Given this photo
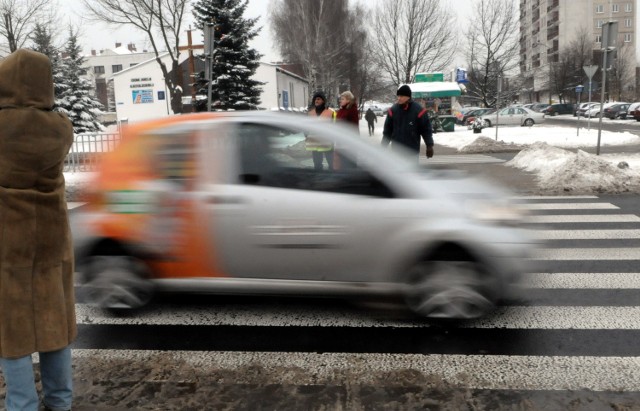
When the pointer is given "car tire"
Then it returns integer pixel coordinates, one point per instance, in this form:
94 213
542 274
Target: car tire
487 123
115 282
529 122
449 290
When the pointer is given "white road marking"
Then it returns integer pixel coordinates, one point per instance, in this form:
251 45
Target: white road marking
585 218
612 281
588 254
554 197
586 234
497 372
569 206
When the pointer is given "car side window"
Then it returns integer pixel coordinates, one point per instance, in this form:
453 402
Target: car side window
283 158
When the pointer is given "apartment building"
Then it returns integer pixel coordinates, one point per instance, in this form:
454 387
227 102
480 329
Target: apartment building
549 28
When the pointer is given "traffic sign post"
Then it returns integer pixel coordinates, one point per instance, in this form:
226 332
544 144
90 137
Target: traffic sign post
579 89
590 71
609 38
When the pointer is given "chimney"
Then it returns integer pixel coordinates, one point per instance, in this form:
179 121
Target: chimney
132 47
118 45
93 52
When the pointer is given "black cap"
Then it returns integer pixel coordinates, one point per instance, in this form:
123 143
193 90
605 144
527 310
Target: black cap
404 90
319 94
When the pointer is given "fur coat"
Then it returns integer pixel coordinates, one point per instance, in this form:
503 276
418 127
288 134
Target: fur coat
37 306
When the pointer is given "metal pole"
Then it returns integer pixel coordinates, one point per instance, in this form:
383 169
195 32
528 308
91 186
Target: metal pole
577 116
498 107
211 37
604 82
589 106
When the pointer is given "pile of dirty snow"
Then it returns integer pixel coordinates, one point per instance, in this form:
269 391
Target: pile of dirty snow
489 145
560 170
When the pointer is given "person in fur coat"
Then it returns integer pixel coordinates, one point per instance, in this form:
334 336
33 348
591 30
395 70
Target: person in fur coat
37 306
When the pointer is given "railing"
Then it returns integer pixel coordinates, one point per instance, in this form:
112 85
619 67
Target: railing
87 149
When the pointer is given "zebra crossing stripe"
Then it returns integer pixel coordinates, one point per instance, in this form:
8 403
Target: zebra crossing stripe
584 218
586 234
588 254
582 280
569 206
509 372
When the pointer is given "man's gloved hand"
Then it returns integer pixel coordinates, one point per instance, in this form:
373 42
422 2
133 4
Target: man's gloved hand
429 151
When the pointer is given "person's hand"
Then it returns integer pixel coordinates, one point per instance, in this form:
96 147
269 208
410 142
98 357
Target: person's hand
429 151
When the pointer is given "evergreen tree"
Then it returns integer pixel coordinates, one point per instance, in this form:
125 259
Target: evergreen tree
76 99
234 63
43 42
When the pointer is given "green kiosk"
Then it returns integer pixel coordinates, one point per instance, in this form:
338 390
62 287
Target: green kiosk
438 96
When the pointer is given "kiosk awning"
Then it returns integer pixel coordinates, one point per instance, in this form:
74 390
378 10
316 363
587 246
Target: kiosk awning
435 89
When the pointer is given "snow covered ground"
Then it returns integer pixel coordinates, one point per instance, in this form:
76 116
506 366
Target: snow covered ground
551 152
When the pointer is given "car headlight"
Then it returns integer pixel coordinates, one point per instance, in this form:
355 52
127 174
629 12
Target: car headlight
503 212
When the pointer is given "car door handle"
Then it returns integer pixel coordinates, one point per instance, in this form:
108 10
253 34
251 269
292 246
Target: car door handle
222 200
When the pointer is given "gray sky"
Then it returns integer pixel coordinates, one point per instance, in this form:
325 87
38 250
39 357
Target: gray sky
99 36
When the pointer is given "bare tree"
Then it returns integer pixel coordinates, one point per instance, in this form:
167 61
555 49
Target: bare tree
313 34
414 36
19 18
492 47
161 21
621 77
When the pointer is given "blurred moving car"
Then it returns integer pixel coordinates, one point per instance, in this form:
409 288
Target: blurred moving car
558 108
616 111
468 118
513 116
231 203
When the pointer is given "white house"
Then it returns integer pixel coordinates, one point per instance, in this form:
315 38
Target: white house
140 92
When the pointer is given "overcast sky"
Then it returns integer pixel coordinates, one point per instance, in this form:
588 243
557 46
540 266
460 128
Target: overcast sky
99 36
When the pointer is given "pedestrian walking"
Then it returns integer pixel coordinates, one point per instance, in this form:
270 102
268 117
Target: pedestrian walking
406 122
37 307
320 150
371 118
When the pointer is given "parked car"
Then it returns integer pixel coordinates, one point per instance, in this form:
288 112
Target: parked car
615 111
634 111
595 110
231 203
461 113
376 110
513 116
583 107
468 118
558 108
539 106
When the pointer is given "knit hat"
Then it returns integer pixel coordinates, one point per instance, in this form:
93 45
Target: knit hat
319 94
404 90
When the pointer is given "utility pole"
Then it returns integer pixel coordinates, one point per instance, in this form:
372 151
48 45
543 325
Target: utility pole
209 45
609 35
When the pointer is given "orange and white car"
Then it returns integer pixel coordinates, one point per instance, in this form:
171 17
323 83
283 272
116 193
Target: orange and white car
231 203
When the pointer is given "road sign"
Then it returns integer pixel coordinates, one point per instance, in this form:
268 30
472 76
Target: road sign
579 89
590 70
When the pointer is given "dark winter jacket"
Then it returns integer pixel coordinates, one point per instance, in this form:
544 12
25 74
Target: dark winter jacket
370 116
349 113
405 124
36 256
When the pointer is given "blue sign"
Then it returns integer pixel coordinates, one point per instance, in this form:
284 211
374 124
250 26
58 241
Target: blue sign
461 75
285 99
579 89
161 95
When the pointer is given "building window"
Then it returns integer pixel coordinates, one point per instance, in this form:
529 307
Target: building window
116 68
600 8
615 8
598 38
133 64
628 7
98 69
599 24
627 37
628 22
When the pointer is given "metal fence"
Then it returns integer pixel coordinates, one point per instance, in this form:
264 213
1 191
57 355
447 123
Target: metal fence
87 149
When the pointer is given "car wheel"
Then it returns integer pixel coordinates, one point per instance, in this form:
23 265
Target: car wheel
449 290
116 282
487 123
553 113
529 122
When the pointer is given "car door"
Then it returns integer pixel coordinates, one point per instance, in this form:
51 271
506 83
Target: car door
508 116
277 217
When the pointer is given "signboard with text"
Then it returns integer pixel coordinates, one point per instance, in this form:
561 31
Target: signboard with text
142 96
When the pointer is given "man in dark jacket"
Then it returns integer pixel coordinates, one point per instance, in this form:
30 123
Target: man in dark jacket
371 117
406 122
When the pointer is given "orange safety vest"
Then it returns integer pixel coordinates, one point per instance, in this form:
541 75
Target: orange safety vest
312 144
